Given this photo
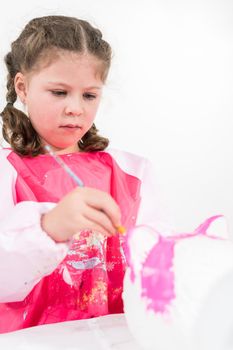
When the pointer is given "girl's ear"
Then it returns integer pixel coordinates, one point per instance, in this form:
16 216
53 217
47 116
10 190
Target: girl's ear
20 86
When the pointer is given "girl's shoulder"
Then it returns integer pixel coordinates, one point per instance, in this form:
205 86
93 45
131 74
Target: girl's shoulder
7 172
4 153
125 154
131 163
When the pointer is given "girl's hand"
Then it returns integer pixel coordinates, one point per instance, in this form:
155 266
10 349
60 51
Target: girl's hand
82 208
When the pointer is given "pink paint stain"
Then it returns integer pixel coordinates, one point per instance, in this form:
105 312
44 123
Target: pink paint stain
157 275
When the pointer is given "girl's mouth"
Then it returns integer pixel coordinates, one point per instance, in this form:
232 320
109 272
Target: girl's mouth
70 126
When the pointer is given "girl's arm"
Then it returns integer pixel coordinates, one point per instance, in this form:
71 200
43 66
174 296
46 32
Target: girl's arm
153 210
27 253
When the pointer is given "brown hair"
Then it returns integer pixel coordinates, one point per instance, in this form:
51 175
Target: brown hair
40 37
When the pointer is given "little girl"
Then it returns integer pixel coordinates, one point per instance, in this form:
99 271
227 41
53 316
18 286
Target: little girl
61 257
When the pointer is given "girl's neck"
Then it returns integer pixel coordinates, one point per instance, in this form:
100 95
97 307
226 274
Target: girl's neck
68 150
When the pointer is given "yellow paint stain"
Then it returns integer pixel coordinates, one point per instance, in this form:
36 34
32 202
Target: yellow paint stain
121 230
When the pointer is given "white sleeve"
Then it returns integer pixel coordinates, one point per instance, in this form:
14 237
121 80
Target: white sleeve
152 210
27 253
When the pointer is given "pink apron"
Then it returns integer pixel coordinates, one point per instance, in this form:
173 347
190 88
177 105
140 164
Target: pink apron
88 282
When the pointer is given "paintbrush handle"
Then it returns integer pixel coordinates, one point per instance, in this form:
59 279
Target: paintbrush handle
65 167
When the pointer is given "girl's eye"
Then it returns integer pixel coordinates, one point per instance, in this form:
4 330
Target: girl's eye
89 96
59 92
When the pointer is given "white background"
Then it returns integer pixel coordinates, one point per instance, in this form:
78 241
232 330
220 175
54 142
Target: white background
169 94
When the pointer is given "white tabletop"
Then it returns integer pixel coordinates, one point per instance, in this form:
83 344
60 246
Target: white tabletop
102 333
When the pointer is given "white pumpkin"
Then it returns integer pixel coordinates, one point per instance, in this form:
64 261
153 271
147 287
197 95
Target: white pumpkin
170 283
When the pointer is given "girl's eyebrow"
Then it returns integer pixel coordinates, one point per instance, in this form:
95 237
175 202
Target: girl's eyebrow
68 86
58 83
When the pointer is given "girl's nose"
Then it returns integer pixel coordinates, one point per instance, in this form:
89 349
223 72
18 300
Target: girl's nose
74 107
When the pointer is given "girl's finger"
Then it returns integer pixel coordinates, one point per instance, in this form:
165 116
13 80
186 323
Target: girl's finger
101 219
104 202
91 225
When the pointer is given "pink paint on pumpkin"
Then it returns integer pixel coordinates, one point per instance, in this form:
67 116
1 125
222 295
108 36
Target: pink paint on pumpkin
157 275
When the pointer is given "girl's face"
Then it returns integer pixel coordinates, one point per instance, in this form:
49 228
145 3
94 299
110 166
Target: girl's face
62 99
